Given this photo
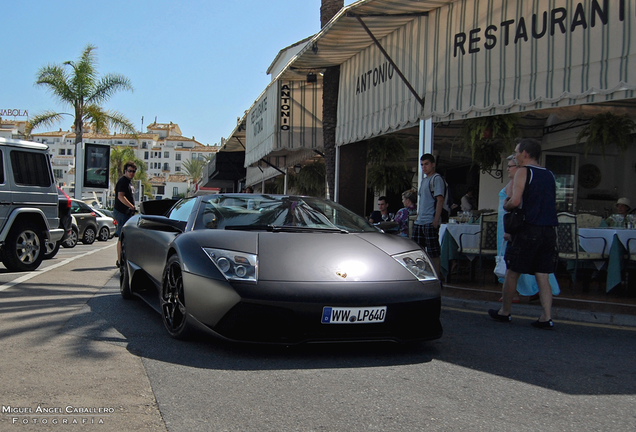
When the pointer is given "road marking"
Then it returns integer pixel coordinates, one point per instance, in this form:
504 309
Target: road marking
35 273
582 324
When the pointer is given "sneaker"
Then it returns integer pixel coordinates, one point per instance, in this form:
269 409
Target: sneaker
548 325
494 314
117 264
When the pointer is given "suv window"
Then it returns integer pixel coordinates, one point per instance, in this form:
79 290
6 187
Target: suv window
1 168
30 169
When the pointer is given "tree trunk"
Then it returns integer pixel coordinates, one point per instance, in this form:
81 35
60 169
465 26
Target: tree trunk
331 81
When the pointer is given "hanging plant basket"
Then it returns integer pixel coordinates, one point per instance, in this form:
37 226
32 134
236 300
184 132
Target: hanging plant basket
488 138
605 130
387 168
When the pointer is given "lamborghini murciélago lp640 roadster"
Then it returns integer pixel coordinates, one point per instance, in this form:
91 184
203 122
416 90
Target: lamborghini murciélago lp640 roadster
277 269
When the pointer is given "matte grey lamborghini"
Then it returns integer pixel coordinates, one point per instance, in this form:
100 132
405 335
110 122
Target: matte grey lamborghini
277 269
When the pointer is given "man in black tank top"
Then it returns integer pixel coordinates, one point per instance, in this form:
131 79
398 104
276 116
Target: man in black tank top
534 247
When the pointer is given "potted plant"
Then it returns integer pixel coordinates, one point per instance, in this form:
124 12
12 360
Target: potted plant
387 168
607 129
489 137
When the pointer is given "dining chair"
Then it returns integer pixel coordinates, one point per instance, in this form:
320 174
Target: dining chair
586 220
568 243
486 242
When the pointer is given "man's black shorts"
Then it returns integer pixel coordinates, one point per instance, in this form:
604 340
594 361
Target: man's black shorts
533 250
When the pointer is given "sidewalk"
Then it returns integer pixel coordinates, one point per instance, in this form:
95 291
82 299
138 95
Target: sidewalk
575 303
65 367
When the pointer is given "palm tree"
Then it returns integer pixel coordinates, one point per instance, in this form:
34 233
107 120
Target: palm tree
119 155
81 89
330 84
194 169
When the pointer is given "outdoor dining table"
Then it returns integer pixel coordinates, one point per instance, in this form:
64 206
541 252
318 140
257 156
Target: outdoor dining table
615 249
449 242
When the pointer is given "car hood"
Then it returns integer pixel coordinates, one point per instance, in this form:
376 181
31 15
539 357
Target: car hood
331 257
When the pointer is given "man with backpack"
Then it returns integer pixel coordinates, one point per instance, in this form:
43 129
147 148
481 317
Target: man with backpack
429 214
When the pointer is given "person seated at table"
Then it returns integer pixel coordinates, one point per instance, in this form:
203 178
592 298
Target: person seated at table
527 284
382 214
623 208
409 199
469 202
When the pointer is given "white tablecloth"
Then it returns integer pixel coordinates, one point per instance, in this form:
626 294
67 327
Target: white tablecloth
455 230
594 246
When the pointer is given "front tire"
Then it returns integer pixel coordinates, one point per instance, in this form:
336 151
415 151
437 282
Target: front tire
89 236
104 234
124 280
23 248
172 299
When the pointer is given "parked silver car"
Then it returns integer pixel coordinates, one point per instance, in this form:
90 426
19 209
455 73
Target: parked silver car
106 225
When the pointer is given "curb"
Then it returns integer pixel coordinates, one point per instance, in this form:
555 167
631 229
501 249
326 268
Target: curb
533 311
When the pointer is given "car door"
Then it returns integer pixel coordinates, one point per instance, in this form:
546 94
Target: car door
147 246
5 193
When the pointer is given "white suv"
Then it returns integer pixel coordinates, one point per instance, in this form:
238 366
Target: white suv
28 204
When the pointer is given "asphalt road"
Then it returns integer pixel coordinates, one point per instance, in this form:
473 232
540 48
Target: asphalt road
68 339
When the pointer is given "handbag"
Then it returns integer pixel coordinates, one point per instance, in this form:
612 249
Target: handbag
513 221
500 267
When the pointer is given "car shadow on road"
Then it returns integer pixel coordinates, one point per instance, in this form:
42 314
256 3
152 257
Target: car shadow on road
141 331
571 359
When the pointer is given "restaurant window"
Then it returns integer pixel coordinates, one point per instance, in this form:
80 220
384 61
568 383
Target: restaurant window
564 167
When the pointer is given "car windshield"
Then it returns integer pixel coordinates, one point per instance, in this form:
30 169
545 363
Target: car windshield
277 213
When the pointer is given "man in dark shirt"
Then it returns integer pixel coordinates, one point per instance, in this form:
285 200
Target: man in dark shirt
124 202
382 214
534 247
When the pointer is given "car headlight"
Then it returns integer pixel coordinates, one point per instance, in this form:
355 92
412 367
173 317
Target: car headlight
418 264
238 266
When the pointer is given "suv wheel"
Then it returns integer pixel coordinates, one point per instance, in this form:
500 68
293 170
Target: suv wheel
24 248
71 240
89 235
51 249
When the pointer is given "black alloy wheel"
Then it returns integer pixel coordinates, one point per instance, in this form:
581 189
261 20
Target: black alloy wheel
173 308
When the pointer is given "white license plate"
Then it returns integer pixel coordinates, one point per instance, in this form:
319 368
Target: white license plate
365 315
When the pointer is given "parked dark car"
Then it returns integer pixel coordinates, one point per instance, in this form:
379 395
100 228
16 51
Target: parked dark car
106 224
66 222
277 269
86 220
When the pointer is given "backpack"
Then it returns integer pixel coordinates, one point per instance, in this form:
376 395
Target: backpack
445 209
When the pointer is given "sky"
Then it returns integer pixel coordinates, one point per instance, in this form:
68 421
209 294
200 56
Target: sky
197 63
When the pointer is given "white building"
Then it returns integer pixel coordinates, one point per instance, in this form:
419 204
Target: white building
162 148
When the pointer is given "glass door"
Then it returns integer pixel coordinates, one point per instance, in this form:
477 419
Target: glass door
564 167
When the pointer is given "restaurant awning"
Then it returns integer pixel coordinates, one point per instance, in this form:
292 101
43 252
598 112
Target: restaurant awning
227 166
467 59
286 119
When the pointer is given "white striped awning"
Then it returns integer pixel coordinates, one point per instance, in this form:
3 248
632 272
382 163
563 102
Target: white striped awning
469 58
515 55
